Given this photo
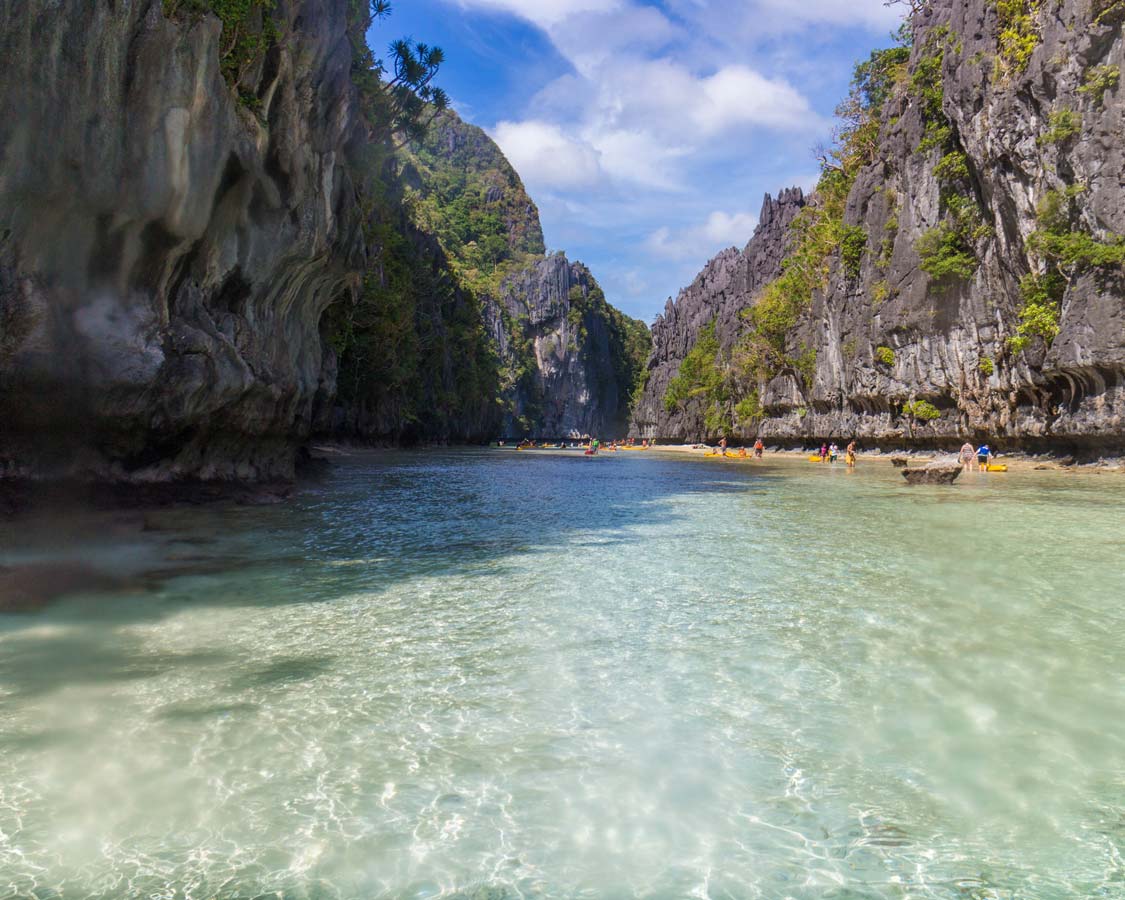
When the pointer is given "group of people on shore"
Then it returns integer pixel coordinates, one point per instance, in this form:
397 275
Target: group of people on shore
830 453
969 456
759 449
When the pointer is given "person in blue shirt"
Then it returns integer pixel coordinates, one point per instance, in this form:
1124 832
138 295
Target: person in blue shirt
984 455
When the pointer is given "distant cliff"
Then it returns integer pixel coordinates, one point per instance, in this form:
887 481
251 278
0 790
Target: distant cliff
566 362
571 362
719 295
975 282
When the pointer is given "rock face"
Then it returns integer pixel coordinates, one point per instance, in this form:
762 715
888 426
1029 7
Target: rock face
565 353
167 249
949 340
568 361
720 293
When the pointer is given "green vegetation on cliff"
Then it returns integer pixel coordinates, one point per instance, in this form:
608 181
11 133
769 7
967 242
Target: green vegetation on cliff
703 378
1019 33
248 32
463 191
1060 252
414 357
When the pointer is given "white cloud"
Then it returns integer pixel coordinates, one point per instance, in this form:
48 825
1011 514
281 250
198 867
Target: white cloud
544 13
635 157
642 123
673 118
703 240
750 19
859 13
738 95
730 229
600 38
548 158
632 113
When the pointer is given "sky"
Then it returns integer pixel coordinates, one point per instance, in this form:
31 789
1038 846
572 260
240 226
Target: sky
649 131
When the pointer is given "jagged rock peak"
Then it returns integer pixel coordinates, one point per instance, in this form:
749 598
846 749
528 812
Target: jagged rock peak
727 285
774 210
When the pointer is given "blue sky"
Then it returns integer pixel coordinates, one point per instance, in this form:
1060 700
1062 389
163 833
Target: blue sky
648 131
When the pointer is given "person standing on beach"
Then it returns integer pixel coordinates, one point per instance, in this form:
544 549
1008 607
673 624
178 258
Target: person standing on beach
966 456
759 447
851 455
823 452
833 453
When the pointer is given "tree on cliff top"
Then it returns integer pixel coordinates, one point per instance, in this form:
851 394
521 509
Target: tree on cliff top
398 93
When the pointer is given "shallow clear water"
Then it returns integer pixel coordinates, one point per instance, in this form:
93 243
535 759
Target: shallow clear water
497 675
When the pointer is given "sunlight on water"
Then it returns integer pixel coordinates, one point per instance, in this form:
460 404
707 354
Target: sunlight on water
502 675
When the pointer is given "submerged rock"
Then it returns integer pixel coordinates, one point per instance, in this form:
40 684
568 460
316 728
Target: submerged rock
29 588
934 473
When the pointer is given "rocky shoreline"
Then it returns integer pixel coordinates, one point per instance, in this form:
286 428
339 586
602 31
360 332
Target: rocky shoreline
1016 461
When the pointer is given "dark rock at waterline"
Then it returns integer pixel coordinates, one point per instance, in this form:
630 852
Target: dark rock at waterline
934 473
900 462
1067 461
68 495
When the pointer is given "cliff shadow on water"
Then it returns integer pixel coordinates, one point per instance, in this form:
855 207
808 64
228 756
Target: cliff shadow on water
365 526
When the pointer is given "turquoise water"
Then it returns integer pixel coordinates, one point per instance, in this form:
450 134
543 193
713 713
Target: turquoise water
486 674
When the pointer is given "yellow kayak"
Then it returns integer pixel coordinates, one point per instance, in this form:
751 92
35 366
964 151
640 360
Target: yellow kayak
815 459
997 468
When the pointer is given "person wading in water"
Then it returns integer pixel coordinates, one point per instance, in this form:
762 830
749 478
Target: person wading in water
966 456
984 457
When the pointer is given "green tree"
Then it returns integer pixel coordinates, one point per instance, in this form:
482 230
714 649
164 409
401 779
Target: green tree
399 96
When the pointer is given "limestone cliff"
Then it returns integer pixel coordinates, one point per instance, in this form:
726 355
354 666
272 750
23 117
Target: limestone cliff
719 294
168 241
570 360
982 291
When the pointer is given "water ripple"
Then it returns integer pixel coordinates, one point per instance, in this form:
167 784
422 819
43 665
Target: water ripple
474 675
